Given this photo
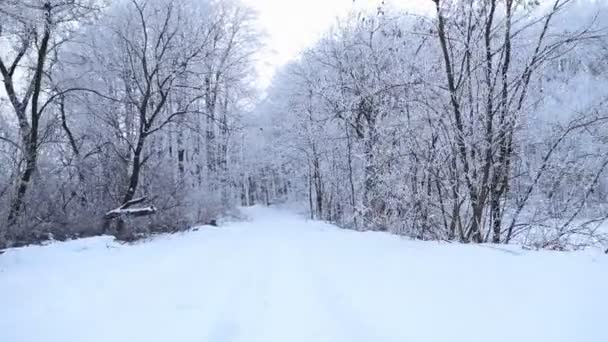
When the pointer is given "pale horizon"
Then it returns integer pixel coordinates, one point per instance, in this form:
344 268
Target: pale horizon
291 26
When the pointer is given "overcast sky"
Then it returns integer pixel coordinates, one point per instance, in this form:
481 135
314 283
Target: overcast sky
293 25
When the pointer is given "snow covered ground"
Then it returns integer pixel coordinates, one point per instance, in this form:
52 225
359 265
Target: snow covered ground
281 278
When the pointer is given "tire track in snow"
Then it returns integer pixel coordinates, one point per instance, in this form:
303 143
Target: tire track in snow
350 323
329 312
354 326
245 303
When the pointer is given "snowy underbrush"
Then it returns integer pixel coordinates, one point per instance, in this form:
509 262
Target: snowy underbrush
557 237
169 218
532 229
562 229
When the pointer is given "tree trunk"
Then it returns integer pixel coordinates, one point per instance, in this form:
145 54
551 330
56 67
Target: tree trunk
24 182
31 136
133 183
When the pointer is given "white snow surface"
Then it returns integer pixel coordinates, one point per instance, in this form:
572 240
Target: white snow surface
279 277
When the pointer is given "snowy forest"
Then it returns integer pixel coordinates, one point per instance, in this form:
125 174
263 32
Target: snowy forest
477 121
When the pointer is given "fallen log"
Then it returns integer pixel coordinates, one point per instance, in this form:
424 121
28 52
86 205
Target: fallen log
130 212
125 211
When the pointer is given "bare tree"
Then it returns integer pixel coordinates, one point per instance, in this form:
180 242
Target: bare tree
38 27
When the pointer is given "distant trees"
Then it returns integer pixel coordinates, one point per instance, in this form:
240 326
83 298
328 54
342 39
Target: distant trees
452 126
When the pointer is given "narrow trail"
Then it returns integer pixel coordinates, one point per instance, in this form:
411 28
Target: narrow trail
279 277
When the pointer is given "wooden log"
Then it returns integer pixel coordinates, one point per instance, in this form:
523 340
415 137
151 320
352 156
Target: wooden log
127 212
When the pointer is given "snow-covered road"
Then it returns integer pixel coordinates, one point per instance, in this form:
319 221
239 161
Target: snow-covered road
280 278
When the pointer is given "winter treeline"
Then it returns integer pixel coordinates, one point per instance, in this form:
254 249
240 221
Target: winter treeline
121 116
485 120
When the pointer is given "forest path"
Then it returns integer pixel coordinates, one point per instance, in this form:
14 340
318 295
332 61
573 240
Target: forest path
280 277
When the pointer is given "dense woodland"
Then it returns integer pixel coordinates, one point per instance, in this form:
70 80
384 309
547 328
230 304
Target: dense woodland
480 121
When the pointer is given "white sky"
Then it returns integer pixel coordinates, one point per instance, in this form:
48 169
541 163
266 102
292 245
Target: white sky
293 25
